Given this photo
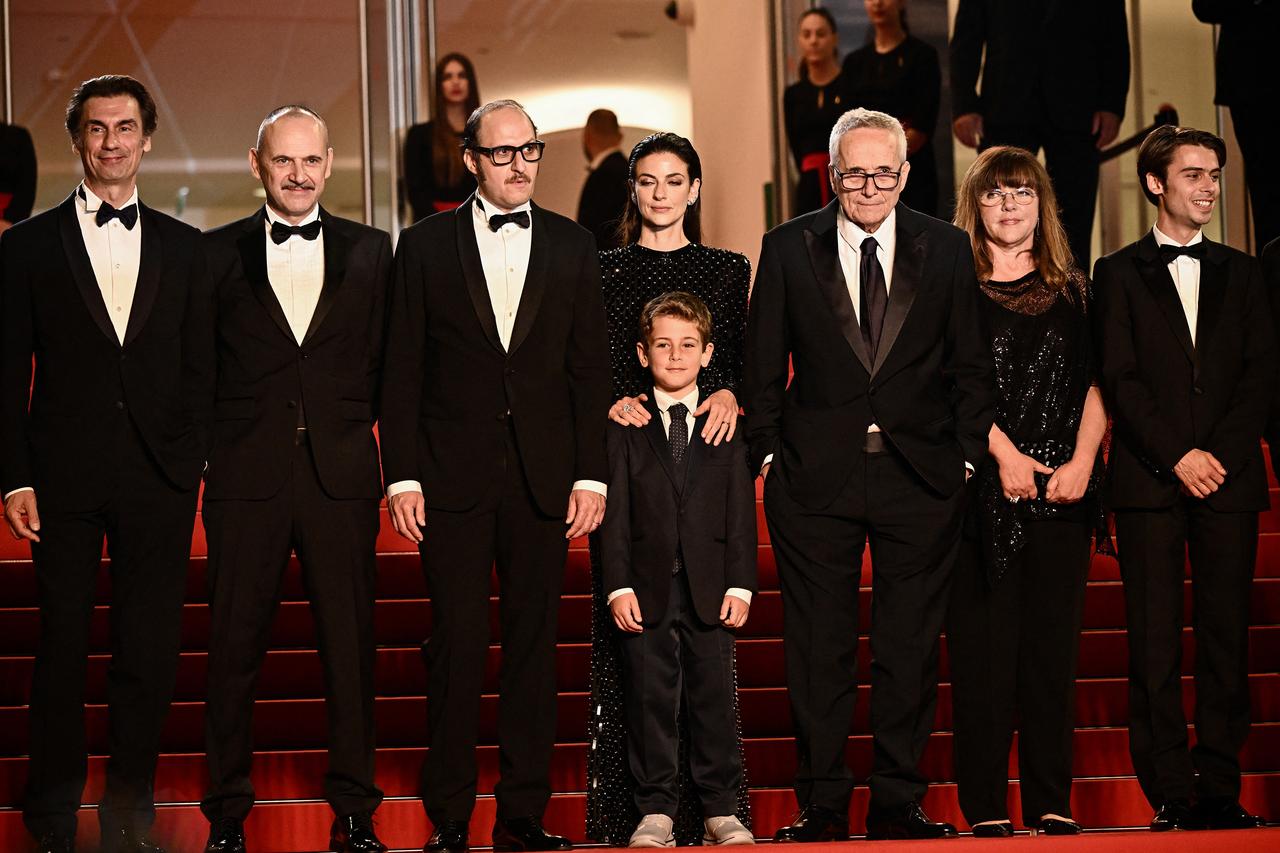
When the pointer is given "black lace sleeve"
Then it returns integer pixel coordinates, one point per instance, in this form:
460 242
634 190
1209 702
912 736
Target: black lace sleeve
728 304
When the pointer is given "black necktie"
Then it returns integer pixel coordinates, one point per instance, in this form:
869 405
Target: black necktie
520 217
281 232
678 438
1169 254
875 296
128 215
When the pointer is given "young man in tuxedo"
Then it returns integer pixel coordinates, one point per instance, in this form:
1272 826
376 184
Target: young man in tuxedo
302 298
1188 364
604 193
679 565
112 299
494 400
874 437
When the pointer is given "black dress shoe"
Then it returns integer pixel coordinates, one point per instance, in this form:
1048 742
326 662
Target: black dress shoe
1000 829
907 821
226 835
1057 826
450 836
129 841
1175 814
814 823
354 834
526 833
55 842
1222 814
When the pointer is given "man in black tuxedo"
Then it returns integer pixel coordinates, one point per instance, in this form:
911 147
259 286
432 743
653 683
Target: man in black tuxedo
1055 75
1188 365
112 299
604 194
17 175
302 299
494 400
874 437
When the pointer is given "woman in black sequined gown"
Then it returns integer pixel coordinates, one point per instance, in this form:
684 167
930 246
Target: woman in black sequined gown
661 253
1018 589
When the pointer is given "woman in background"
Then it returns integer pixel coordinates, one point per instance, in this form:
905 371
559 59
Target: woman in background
435 178
811 106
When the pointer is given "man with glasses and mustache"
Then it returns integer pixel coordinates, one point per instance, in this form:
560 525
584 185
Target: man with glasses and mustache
493 422
873 438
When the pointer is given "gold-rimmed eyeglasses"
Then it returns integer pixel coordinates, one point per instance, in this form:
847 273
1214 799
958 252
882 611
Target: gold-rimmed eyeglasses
995 198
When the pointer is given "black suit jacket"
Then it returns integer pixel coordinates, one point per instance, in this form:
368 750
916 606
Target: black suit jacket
1063 59
55 434
449 387
1271 277
604 197
1168 396
264 374
931 390
17 172
1246 62
709 515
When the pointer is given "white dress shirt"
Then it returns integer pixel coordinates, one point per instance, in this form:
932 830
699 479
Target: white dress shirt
664 402
115 253
601 157
504 256
295 269
1185 271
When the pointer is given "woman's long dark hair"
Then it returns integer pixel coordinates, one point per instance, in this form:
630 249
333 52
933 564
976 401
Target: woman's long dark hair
825 15
660 143
446 156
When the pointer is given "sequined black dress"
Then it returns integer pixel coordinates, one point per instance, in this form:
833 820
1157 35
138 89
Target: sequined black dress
632 275
1043 349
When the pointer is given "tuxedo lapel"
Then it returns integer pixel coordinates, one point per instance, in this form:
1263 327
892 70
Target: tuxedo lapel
473 271
695 452
657 437
150 269
336 249
253 259
535 279
820 240
81 268
908 270
1213 292
1155 275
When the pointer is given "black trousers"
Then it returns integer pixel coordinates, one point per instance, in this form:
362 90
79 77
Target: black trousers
681 660
1154 547
459 551
249 546
1013 650
914 535
1071 157
1256 129
147 524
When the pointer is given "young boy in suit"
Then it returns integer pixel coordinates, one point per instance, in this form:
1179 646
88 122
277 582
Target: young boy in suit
679 561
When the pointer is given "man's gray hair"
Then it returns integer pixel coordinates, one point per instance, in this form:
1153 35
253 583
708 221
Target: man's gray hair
859 118
290 110
471 130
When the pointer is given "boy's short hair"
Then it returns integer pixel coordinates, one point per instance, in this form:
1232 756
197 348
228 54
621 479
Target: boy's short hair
684 306
1158 149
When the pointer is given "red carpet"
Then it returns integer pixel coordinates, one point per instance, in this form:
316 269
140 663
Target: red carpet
290 722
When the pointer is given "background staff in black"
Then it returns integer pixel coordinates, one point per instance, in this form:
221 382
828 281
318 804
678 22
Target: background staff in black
435 178
1188 366
17 175
112 299
604 192
876 306
811 105
302 299
1055 75
494 394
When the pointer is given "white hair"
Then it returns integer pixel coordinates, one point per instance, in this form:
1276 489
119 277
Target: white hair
859 118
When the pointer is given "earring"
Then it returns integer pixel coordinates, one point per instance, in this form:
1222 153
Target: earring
691 202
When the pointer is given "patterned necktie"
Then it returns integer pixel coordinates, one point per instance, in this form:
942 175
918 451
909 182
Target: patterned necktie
678 438
875 296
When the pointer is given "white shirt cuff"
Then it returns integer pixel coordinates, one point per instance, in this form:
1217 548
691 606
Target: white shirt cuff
403 486
592 486
767 460
15 491
617 592
970 467
744 594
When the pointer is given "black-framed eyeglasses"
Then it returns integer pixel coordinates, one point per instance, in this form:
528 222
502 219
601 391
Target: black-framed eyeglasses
856 179
995 198
502 155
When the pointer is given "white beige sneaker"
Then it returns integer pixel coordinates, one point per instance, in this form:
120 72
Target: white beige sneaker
726 830
654 830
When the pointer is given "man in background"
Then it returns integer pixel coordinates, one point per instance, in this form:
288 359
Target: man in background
604 194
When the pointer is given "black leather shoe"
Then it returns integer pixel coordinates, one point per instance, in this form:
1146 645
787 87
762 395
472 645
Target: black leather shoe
1057 826
450 836
1175 814
129 841
815 823
226 835
526 833
354 834
907 821
55 842
1000 829
1222 814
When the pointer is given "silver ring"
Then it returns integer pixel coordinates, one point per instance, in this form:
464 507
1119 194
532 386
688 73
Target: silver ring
626 407
1014 499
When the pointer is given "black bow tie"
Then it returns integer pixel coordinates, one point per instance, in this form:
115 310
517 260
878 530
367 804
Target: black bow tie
520 217
128 215
281 232
1169 254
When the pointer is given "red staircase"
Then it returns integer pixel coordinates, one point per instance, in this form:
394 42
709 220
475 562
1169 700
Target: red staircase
290 726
